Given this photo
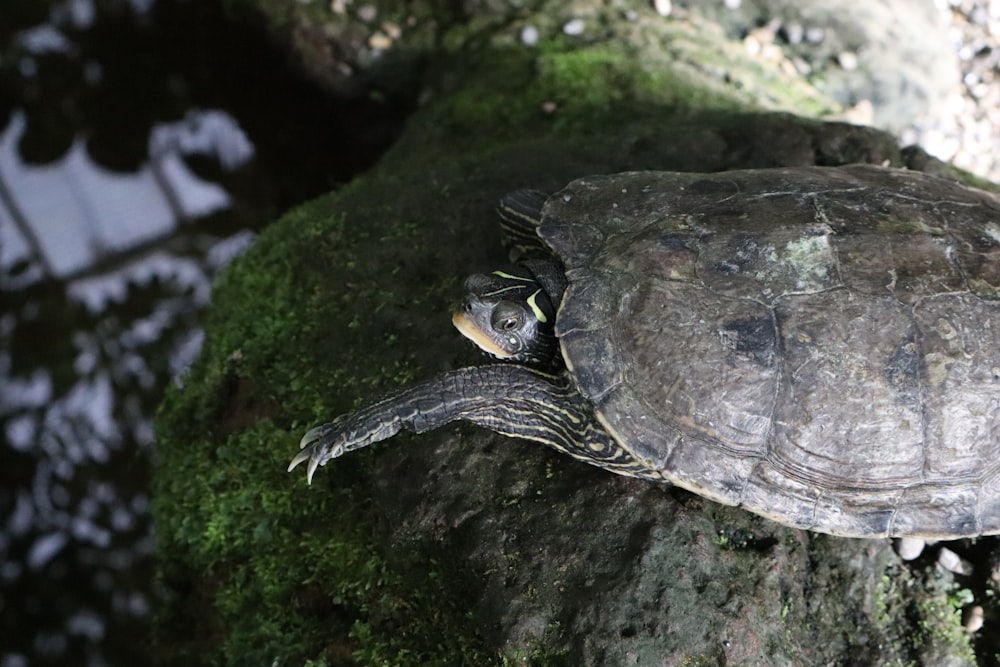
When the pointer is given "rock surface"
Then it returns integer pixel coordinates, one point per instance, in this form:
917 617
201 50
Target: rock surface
460 547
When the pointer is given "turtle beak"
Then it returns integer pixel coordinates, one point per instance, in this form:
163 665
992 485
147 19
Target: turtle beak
467 327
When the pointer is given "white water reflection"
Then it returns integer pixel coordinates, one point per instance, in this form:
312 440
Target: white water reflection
104 276
71 214
105 246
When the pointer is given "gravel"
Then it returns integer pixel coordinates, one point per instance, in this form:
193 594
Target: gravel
926 70
968 133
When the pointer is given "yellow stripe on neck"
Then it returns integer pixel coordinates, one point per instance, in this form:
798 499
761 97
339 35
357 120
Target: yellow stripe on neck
539 314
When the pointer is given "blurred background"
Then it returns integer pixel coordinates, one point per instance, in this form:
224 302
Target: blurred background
141 145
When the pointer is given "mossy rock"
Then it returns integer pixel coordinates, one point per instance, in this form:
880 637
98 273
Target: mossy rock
460 547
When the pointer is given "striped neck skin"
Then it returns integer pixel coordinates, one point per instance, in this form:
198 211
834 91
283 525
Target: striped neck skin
510 316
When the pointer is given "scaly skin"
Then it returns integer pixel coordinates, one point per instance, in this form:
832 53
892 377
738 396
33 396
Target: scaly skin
511 399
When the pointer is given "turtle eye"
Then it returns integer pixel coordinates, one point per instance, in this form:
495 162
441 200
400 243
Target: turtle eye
506 317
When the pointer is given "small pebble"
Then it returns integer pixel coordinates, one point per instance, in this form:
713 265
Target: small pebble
909 548
379 41
952 562
973 618
367 13
815 35
847 60
794 32
940 143
862 113
529 35
392 30
574 27
663 7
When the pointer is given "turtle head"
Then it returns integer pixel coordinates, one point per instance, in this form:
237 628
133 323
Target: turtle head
510 316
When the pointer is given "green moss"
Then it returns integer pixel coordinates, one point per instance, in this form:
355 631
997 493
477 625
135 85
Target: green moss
655 68
261 569
336 303
536 656
932 605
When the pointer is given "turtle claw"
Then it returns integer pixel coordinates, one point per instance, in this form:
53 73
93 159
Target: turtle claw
314 463
314 434
317 446
299 458
311 470
306 454
315 449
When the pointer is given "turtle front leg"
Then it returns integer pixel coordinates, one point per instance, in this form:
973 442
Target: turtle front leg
509 399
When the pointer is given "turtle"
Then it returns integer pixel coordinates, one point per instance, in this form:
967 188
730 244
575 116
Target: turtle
818 345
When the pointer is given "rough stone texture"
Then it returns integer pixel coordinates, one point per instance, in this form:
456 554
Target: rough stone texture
460 547
609 571
894 54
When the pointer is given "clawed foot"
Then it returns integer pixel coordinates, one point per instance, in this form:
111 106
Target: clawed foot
318 445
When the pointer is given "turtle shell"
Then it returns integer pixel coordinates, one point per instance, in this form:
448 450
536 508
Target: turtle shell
818 345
